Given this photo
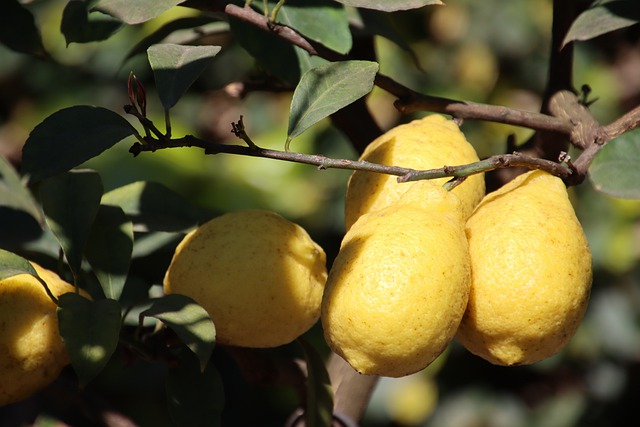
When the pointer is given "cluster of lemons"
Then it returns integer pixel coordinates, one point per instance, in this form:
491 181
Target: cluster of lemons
508 273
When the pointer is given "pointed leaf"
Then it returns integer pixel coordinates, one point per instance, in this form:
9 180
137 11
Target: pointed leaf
90 330
615 169
70 137
390 5
602 19
154 207
176 67
13 193
80 27
195 398
189 321
135 11
109 249
18 30
12 265
70 203
326 89
319 408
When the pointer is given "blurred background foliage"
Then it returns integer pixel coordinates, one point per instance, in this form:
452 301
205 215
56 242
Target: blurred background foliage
491 51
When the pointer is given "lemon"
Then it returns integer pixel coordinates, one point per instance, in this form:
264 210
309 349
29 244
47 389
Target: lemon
399 285
259 276
531 272
32 353
428 143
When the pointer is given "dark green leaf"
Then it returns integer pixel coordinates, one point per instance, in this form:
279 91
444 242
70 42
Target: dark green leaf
390 5
319 408
80 27
13 193
195 398
189 321
602 19
109 249
326 89
70 202
615 169
70 137
147 243
176 67
154 207
306 61
135 11
90 330
18 30
12 265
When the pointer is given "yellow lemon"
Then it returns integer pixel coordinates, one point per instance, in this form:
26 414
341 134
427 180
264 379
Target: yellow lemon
398 288
531 272
259 276
32 353
429 143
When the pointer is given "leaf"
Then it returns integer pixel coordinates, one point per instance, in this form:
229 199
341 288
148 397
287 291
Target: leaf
12 265
70 137
148 243
176 67
90 330
326 89
319 408
13 193
70 203
189 321
602 19
195 398
135 11
390 5
109 249
18 30
153 207
80 27
615 169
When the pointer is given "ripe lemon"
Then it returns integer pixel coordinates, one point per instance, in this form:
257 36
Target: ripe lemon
399 286
259 276
429 143
32 353
531 272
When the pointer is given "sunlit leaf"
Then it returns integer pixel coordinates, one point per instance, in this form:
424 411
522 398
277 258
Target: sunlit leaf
604 18
12 265
81 27
135 11
90 330
70 137
18 30
189 321
70 202
109 249
13 193
326 89
615 169
176 67
390 5
319 408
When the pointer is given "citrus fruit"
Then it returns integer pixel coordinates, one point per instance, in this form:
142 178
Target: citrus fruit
32 353
259 276
428 143
531 272
398 288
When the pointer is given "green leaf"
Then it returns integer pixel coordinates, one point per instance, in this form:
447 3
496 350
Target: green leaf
13 193
147 243
195 398
615 169
176 67
189 321
390 5
70 137
18 30
12 265
109 249
80 27
602 19
154 207
319 408
90 330
326 89
135 11
70 203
